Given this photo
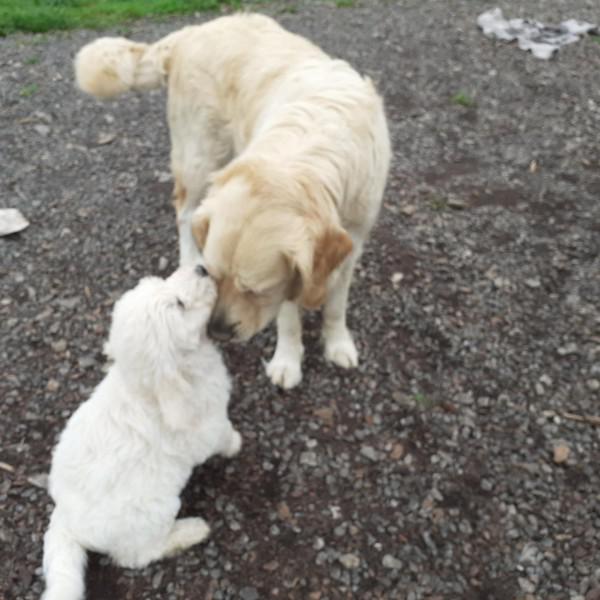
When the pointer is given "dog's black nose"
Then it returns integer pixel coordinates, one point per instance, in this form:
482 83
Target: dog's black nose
201 270
219 330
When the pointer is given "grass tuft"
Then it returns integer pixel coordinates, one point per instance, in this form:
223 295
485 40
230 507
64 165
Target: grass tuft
28 90
463 99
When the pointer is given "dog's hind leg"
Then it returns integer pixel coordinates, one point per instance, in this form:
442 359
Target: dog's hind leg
339 345
285 368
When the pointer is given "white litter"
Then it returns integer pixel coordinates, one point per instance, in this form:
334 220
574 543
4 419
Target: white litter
542 40
11 221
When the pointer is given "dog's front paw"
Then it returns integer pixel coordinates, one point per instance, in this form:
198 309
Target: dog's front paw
285 373
340 349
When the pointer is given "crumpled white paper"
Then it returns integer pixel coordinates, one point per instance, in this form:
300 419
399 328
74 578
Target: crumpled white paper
542 40
11 221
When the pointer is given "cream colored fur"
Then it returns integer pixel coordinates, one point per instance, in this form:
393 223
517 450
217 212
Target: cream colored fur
280 156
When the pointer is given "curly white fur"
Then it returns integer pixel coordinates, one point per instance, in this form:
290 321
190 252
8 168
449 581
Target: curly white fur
126 453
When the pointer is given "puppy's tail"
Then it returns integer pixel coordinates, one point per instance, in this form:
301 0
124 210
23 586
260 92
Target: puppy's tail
64 563
110 66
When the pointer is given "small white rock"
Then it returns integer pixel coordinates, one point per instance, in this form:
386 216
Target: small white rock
350 561
163 263
319 543
42 129
593 385
570 348
391 562
533 282
11 221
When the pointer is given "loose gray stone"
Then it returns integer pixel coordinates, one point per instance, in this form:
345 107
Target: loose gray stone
248 593
370 453
350 561
390 562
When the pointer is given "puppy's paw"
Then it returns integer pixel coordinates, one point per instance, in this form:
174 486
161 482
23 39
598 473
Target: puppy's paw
196 530
235 444
340 349
185 533
284 372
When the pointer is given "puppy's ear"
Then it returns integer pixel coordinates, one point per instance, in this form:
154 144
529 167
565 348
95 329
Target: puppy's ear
309 280
200 226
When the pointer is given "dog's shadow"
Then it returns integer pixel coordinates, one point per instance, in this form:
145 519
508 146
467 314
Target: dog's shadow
102 579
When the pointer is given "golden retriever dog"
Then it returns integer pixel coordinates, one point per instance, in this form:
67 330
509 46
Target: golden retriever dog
279 156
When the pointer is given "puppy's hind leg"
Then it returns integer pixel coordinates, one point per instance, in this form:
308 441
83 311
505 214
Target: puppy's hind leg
339 345
285 368
185 533
231 442
136 552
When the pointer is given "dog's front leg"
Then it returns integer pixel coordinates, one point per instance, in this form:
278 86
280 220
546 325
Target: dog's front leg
189 254
339 345
285 368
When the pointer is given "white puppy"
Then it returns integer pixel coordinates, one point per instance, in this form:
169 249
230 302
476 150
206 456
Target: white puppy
126 453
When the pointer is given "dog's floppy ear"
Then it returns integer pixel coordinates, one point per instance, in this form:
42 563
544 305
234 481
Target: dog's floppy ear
200 226
309 280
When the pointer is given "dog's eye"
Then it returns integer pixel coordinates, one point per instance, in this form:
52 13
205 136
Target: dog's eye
180 304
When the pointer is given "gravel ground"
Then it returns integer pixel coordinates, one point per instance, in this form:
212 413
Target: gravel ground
458 461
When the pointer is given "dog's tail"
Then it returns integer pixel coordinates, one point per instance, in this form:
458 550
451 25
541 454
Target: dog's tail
64 563
110 66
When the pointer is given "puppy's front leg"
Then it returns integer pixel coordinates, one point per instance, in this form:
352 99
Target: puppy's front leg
285 368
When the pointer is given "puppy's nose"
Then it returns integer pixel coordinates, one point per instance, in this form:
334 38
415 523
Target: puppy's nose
219 330
200 270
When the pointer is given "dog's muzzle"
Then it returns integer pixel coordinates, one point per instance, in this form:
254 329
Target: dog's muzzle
219 330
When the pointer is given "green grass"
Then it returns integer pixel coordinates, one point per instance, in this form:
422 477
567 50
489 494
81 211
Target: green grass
463 99
345 3
595 38
438 203
38 16
29 90
422 401
32 60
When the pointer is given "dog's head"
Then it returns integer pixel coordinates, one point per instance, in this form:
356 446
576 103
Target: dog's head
262 254
154 327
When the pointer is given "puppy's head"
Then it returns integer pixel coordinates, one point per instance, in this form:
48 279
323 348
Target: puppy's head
261 256
154 326
161 315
